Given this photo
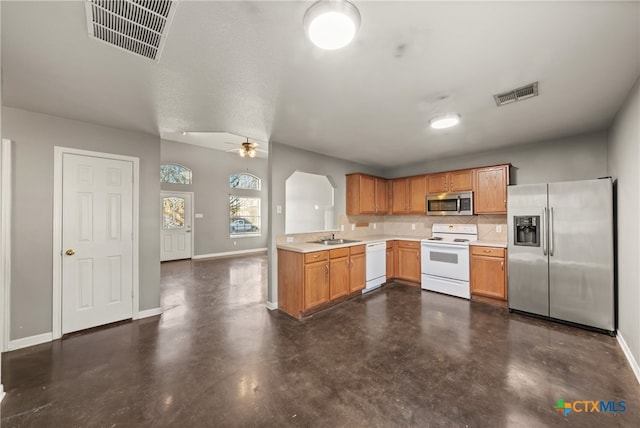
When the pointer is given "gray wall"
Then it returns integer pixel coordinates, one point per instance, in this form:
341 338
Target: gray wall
284 161
572 158
624 157
211 170
34 137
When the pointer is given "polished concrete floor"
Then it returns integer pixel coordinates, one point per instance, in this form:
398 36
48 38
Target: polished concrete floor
397 357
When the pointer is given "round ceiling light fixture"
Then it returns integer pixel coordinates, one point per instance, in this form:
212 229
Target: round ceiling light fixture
445 121
331 24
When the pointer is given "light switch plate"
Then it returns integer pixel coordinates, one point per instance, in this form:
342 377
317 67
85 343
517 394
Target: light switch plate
374 225
413 226
498 228
289 239
199 215
278 209
342 228
353 227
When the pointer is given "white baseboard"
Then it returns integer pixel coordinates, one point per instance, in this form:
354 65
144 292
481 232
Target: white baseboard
30 341
627 352
272 305
229 253
149 313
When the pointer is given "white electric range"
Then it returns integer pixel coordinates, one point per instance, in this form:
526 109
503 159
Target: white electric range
445 259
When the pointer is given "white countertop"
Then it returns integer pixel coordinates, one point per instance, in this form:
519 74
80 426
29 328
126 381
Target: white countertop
484 243
308 247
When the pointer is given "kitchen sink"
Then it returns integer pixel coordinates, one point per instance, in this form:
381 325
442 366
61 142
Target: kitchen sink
333 241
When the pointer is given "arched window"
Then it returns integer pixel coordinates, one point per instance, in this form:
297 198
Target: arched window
174 173
243 180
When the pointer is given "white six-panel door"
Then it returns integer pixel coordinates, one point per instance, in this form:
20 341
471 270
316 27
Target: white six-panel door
97 241
175 234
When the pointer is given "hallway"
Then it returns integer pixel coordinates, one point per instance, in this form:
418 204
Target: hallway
397 357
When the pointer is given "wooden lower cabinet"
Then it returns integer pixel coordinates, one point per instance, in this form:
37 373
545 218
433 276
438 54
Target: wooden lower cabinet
358 268
408 261
392 251
313 280
488 274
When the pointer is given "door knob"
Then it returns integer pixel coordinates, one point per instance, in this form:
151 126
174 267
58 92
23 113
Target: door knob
70 252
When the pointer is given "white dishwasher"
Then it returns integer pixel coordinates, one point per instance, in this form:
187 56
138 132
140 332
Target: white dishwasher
376 265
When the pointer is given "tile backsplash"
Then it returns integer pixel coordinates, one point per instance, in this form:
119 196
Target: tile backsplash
416 225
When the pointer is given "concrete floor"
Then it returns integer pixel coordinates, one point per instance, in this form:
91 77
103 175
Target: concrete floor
397 357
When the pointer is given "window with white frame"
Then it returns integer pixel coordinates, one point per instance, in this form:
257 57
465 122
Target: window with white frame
245 205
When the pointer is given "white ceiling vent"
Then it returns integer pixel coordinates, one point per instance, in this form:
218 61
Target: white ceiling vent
138 26
519 94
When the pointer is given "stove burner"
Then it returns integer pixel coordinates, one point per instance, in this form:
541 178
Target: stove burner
460 240
435 238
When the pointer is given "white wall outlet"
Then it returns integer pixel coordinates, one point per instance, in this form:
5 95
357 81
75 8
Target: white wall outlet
353 227
199 215
234 242
278 209
289 239
342 228
413 226
498 228
374 225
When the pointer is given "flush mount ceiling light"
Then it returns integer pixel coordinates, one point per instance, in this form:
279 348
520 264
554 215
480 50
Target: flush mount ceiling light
445 121
331 24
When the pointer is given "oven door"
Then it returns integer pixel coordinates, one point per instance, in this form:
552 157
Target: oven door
446 261
450 204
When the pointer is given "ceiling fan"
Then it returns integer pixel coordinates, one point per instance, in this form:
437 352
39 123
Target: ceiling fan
247 148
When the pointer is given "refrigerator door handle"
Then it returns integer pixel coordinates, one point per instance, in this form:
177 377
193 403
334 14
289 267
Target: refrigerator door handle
543 232
551 231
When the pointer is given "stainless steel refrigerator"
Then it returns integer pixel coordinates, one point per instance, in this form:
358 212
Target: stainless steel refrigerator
560 251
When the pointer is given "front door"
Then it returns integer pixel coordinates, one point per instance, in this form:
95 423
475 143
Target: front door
97 241
175 236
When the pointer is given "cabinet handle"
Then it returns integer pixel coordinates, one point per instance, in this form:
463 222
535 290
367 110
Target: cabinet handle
326 269
486 251
316 256
502 266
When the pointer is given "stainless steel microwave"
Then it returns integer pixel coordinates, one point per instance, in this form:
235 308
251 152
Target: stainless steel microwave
459 203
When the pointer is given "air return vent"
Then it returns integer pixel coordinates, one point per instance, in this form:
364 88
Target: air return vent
518 94
138 26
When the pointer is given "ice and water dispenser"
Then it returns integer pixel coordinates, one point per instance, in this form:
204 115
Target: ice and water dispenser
527 230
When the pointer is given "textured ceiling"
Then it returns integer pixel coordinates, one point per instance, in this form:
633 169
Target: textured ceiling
246 68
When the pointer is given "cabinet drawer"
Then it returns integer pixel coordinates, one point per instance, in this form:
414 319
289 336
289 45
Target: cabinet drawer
409 244
390 245
339 252
358 249
316 256
487 251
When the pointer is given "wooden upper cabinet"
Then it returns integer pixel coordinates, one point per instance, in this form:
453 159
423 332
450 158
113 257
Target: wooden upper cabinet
438 183
460 181
451 181
491 190
409 195
367 194
399 196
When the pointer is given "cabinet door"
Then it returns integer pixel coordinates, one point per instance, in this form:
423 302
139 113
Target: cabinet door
358 274
316 284
460 181
417 195
382 196
491 190
390 273
399 196
488 277
409 264
438 183
367 194
338 277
